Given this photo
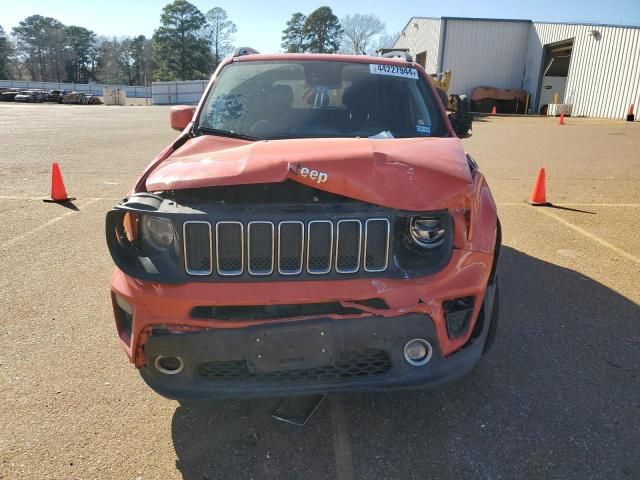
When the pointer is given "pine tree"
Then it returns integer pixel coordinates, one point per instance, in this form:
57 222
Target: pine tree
322 31
293 38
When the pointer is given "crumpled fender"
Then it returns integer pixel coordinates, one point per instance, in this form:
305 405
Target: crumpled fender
475 224
408 174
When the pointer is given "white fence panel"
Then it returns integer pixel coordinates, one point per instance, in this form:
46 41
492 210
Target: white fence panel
163 93
186 92
87 88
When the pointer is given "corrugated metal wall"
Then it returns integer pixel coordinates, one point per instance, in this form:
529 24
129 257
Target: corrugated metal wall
485 53
422 34
604 74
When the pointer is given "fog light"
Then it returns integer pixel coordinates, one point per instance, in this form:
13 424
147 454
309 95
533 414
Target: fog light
417 352
169 365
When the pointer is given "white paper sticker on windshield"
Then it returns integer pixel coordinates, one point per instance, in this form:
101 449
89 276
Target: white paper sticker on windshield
394 70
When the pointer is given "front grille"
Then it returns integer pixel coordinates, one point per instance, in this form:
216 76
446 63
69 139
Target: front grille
197 251
286 248
290 247
348 249
376 248
350 365
260 251
230 252
319 246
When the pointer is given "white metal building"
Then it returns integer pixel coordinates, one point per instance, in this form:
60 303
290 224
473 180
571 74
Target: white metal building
596 68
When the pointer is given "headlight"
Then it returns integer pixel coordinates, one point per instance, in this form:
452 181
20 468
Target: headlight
427 232
157 232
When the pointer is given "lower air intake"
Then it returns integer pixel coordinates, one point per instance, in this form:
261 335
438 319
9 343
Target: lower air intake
349 367
457 314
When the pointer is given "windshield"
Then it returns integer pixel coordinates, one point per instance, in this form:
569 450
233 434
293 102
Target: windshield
311 99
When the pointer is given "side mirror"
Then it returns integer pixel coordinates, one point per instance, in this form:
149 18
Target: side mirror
180 116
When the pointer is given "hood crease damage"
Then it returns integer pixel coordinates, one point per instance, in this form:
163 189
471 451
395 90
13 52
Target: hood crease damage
409 174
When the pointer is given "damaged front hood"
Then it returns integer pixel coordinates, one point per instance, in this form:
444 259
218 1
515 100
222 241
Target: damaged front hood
409 174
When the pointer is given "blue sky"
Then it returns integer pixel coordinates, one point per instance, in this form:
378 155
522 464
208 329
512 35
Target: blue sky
260 22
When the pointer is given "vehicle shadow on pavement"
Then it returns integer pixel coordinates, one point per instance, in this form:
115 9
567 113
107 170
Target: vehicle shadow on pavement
558 396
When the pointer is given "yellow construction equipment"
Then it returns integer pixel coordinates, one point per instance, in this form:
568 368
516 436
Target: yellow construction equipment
443 82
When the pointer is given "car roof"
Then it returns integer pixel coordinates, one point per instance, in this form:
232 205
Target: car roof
325 57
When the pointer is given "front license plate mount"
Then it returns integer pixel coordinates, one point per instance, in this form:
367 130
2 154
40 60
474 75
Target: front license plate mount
282 348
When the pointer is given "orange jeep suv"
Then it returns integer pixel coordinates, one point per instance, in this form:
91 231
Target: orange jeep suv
317 226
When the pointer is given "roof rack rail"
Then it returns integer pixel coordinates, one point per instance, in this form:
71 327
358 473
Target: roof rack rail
399 54
241 51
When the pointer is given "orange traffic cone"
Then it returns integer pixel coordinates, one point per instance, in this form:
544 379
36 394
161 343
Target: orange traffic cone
561 118
58 192
630 116
539 193
493 110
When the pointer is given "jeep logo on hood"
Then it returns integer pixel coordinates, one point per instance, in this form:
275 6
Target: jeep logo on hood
317 175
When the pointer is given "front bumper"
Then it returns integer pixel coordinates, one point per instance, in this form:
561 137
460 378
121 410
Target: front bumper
367 354
157 304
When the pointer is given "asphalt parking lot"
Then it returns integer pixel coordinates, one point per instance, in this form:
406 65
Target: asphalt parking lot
557 397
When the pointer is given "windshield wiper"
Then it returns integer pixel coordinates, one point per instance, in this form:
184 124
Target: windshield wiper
225 133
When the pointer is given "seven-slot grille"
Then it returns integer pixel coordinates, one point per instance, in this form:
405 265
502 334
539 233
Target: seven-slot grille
287 248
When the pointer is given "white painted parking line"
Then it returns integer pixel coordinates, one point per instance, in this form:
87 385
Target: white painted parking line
590 236
20 237
576 228
341 442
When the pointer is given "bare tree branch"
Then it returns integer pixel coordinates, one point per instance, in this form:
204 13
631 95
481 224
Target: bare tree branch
358 31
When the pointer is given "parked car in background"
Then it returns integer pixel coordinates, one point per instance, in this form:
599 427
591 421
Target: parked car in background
9 96
56 96
23 96
75 97
94 100
29 96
